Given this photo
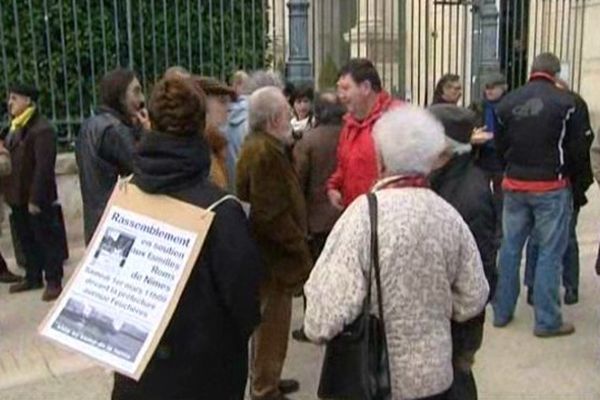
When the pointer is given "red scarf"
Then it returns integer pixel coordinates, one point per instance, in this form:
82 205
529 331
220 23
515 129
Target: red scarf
403 181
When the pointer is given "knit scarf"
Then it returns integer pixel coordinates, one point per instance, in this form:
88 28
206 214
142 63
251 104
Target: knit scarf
22 120
402 181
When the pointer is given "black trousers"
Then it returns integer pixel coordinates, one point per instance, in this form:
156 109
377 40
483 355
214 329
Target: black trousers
41 240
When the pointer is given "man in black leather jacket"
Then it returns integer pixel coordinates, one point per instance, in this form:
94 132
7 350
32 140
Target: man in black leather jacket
106 141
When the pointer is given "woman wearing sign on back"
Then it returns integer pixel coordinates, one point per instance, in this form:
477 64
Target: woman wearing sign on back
204 351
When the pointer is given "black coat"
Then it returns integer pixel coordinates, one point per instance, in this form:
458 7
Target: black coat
541 133
33 157
104 151
204 351
465 186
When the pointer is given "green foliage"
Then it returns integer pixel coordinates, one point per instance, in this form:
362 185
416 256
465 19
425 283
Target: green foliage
328 74
65 46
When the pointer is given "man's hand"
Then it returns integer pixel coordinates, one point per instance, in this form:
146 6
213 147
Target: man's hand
481 136
33 209
335 198
143 119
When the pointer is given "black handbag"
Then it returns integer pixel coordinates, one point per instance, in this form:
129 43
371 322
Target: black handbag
356 364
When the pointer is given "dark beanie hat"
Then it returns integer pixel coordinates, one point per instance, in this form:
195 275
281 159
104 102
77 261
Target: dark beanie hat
458 122
24 90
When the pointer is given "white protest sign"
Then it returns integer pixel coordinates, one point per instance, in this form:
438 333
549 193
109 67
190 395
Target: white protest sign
120 299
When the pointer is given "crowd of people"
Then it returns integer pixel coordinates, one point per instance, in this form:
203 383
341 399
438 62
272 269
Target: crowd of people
460 192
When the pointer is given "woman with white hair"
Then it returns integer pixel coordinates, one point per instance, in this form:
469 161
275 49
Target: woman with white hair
431 271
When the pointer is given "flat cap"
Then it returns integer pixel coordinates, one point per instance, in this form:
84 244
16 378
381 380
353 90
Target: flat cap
24 90
458 122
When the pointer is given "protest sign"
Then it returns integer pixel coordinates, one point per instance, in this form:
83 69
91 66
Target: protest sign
122 295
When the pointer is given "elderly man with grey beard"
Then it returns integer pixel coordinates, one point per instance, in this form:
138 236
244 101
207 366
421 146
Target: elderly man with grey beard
267 180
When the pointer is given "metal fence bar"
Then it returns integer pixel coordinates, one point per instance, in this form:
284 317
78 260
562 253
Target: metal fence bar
523 35
49 54
243 14
92 55
177 39
64 64
18 39
562 29
165 35
130 61
103 27
200 38
117 39
555 44
427 35
222 10
154 48
33 46
233 46
465 29
263 26
4 57
143 45
212 43
78 59
514 49
188 15
254 34
583 7
569 50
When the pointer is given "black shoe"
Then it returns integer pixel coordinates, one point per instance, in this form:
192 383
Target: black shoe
571 296
502 323
52 292
530 296
25 286
9 277
299 335
287 386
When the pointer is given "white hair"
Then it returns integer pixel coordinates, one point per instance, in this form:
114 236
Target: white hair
409 140
260 79
264 105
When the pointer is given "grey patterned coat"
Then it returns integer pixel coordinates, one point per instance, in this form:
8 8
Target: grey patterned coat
431 273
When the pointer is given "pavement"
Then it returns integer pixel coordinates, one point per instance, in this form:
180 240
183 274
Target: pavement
511 365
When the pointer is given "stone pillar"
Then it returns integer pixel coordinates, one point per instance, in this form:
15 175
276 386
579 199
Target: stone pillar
298 67
485 44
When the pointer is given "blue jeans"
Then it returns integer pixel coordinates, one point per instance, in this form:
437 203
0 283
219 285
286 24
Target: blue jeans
570 273
546 217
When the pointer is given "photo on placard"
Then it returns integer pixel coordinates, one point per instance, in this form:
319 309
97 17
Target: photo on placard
114 248
85 323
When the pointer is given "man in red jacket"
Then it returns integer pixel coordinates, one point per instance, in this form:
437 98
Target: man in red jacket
359 89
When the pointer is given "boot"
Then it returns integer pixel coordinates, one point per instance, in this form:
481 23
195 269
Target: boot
5 275
25 286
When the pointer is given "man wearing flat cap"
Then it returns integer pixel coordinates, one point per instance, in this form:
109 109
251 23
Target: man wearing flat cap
30 191
465 186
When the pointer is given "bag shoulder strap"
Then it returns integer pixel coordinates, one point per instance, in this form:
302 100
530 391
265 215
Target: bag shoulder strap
375 254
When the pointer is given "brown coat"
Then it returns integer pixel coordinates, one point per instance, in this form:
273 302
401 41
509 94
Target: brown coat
266 179
33 156
315 161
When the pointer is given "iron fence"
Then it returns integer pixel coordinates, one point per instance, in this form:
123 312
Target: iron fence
65 46
414 42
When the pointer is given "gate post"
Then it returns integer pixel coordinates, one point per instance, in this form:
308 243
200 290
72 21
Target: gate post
298 67
485 44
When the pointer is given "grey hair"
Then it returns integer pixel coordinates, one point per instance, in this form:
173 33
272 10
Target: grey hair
409 140
264 105
546 62
262 78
